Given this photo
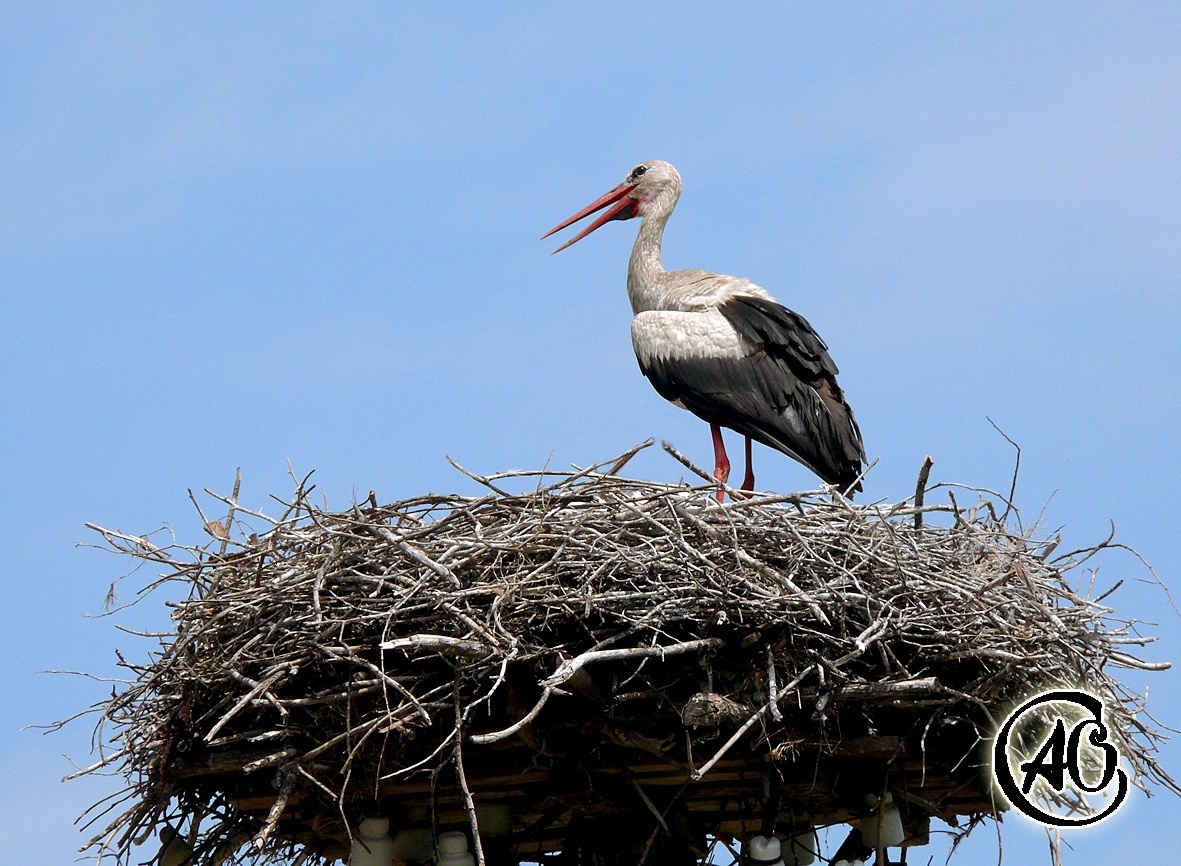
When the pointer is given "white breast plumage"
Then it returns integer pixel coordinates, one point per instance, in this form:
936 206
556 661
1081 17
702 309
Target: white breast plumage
664 335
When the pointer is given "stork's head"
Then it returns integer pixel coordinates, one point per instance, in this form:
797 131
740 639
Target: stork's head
650 189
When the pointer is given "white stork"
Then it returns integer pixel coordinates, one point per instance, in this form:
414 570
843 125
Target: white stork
724 349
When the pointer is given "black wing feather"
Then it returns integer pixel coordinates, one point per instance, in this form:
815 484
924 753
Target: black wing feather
784 395
782 333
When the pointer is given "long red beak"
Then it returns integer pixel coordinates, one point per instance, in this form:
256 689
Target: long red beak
622 207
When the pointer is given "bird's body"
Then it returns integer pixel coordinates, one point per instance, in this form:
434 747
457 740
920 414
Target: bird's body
724 349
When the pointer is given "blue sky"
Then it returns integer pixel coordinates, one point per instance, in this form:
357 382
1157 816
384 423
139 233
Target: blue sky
237 236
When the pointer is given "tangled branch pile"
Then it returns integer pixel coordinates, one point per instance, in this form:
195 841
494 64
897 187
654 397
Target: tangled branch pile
600 648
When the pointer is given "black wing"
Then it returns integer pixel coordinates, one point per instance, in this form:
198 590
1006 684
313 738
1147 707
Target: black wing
785 395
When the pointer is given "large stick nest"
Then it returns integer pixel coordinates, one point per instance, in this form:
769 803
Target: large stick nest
596 646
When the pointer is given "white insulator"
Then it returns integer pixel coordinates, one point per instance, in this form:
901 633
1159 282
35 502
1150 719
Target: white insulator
883 828
372 846
453 850
763 851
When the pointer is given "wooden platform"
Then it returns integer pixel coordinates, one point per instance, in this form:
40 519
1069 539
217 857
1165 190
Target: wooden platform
564 769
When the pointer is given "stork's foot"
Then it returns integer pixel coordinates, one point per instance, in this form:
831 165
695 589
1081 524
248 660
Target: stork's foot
721 462
722 474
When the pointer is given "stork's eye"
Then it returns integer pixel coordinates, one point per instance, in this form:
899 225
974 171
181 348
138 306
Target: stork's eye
637 171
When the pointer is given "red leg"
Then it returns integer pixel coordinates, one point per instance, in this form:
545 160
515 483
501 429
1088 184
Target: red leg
748 483
721 461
